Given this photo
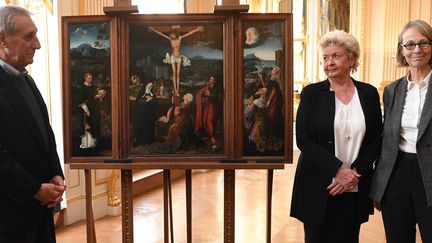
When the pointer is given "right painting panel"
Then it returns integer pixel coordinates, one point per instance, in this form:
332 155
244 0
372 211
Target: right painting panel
265 88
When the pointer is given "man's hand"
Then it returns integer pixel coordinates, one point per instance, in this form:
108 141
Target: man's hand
49 193
57 180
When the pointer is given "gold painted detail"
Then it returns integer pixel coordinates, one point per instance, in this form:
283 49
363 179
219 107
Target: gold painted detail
113 199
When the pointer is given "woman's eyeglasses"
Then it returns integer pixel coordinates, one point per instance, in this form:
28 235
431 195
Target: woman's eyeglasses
422 44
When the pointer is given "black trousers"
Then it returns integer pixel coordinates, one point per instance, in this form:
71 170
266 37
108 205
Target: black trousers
44 232
341 221
404 203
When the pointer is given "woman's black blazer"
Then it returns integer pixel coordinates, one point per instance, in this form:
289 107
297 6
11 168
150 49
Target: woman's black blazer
317 164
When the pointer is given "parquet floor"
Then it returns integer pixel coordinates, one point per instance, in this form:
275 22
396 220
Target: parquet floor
207 203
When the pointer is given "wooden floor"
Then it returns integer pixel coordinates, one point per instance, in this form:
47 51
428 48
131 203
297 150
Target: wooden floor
207 200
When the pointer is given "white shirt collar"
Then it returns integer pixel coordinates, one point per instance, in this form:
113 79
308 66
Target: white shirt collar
11 70
423 83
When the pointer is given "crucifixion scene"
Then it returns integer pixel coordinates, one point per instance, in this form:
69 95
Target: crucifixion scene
175 58
176 88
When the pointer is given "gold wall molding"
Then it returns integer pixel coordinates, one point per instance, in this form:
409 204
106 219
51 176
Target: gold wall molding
357 28
85 7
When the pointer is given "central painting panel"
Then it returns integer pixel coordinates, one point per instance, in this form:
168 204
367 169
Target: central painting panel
176 88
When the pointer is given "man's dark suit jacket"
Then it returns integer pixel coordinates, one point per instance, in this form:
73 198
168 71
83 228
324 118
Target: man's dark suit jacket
26 161
317 164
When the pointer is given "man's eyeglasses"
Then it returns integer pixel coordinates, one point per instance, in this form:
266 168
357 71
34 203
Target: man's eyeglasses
422 44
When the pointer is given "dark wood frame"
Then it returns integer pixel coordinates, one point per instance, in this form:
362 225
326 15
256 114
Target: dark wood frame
287 75
233 88
67 96
176 19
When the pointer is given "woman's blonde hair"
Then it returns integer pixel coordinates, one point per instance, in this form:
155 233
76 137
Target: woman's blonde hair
342 39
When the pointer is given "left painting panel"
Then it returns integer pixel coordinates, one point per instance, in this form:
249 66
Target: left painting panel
89 99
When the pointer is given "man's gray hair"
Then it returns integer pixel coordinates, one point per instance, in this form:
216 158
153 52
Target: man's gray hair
7 13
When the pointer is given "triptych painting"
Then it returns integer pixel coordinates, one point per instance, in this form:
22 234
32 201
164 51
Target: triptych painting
177 88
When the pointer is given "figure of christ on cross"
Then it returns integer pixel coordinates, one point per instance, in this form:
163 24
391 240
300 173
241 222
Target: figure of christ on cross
176 59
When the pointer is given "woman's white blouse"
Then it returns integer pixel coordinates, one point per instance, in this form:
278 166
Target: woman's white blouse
349 130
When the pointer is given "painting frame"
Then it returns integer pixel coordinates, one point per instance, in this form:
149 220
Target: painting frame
215 25
259 148
96 42
230 31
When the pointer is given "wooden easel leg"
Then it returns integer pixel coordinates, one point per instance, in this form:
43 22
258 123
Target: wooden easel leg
168 220
91 232
170 207
229 205
269 203
189 205
127 206
165 203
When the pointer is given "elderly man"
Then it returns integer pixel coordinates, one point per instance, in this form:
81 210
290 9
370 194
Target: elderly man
31 178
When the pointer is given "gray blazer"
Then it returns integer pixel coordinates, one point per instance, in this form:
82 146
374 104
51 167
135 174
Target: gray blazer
394 99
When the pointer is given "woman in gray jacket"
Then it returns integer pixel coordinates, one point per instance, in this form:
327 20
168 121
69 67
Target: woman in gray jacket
402 181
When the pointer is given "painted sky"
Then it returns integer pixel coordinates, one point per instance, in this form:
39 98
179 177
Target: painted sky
269 42
86 34
266 50
203 50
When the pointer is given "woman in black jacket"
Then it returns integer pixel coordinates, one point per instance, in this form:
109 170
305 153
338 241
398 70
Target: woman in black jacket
338 129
